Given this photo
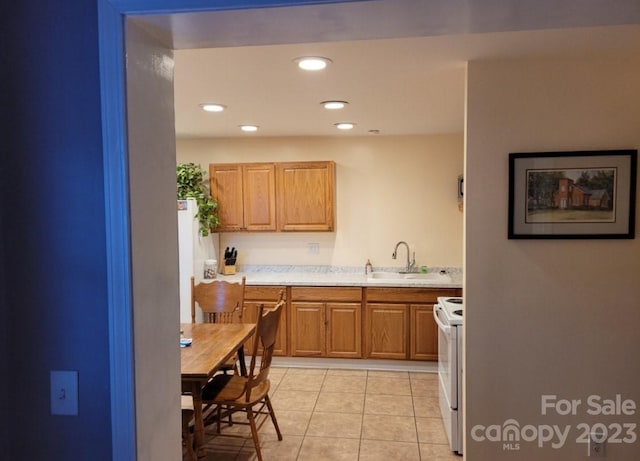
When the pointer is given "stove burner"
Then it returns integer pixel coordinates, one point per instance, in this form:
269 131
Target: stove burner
458 312
454 300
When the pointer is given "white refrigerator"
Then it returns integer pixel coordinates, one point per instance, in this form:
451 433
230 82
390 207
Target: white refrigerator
193 250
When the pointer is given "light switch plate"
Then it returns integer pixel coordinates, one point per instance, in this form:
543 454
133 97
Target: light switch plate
64 392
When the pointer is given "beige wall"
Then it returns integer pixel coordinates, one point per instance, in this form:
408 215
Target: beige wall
546 317
388 188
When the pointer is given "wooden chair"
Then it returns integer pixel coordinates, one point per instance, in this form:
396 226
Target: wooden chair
220 302
243 393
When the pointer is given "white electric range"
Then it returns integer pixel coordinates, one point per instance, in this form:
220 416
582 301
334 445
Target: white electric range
448 314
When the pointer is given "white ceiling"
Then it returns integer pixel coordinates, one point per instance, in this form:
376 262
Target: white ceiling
411 84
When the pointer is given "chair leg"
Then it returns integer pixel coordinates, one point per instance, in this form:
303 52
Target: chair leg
188 440
219 411
273 416
190 452
254 432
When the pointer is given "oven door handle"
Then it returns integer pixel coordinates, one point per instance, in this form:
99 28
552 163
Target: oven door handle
441 325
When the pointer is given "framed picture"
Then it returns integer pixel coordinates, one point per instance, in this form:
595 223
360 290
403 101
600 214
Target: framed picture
572 195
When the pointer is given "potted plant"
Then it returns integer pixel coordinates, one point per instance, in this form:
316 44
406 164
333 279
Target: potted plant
192 184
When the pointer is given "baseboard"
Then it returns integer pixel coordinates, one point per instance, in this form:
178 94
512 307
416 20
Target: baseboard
356 364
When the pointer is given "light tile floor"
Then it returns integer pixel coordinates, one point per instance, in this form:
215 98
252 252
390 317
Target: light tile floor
348 415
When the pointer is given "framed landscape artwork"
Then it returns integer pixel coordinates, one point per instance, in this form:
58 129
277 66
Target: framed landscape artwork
569 195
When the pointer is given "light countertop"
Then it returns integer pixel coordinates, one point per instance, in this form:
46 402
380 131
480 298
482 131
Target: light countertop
323 276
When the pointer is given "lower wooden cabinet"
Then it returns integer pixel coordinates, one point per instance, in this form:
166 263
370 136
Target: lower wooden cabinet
423 333
344 330
308 330
353 322
400 324
386 331
269 296
326 322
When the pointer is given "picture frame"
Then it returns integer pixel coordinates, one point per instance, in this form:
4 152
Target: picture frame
572 195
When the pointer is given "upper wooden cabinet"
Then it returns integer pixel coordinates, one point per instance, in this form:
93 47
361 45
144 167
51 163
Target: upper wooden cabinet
305 196
246 194
296 196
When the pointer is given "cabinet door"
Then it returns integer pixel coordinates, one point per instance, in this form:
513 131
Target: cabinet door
251 316
305 196
344 338
259 192
386 331
424 333
226 190
308 329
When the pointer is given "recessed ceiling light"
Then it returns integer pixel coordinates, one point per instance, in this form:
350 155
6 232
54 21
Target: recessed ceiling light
332 105
249 128
213 107
312 62
345 125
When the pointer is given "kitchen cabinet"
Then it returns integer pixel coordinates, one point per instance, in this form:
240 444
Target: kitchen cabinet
305 196
290 196
344 330
246 196
386 331
423 332
308 329
353 322
399 322
326 322
255 296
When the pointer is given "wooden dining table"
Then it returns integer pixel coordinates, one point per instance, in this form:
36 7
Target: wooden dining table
212 345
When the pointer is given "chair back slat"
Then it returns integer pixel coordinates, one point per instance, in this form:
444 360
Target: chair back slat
219 301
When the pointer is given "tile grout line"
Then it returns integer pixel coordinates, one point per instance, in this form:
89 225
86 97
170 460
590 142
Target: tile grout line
315 404
415 419
364 403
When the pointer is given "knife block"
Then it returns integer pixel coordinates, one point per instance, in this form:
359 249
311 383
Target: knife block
228 270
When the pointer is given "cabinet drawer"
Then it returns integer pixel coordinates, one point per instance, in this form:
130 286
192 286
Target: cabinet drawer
408 295
326 294
264 293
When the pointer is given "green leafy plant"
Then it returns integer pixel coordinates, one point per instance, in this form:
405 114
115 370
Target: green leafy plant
192 184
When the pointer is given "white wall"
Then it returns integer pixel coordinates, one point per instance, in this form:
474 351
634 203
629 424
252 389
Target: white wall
388 188
154 247
546 317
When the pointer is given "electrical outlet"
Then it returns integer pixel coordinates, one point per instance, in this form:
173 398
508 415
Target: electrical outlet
64 392
313 248
597 445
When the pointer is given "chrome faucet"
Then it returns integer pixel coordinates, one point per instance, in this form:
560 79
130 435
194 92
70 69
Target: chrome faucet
410 263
